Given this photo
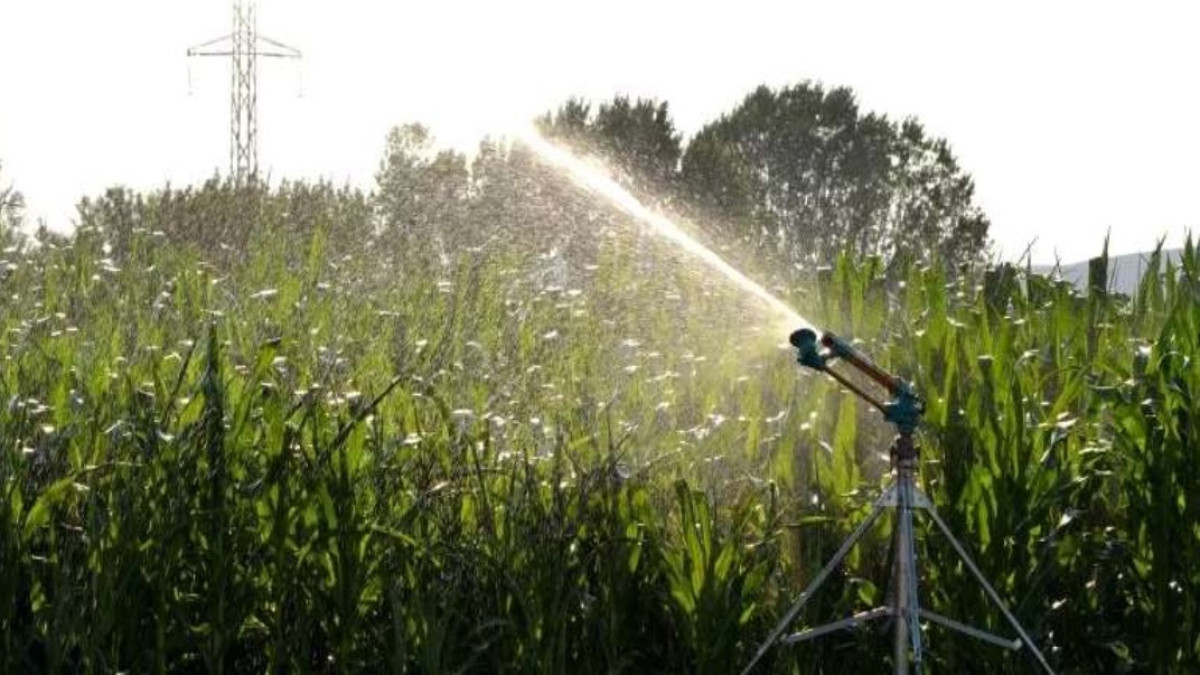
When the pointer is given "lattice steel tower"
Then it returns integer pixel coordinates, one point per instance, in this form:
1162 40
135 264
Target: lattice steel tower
244 46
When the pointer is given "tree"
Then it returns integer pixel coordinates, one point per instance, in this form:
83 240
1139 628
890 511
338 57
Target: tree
12 212
513 198
637 138
422 193
640 147
802 174
520 205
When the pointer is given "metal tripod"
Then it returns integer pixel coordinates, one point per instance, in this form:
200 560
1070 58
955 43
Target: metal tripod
905 497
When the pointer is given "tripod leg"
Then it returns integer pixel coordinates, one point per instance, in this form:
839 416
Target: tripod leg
901 573
914 607
815 584
991 592
907 601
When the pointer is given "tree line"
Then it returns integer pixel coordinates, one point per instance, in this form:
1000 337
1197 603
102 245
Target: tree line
792 177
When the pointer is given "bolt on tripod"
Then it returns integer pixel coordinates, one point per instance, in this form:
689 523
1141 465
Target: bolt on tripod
902 494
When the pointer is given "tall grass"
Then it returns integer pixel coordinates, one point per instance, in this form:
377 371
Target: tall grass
312 461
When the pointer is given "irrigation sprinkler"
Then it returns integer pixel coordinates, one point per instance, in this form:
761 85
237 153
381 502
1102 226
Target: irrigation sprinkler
903 410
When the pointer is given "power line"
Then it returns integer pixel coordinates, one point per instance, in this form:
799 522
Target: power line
243 45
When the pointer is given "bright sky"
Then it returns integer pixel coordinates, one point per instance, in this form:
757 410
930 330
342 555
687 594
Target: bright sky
1073 117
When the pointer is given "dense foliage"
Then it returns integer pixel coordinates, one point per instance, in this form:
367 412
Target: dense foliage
245 430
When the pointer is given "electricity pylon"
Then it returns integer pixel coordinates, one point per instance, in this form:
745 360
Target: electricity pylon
244 46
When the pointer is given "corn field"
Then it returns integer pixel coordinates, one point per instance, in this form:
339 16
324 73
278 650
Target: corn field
302 454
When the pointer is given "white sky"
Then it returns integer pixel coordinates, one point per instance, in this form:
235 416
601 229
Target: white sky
1073 117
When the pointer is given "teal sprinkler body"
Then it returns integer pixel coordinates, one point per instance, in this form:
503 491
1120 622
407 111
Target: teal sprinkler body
905 407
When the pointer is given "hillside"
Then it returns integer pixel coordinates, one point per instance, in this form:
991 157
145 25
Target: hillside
1124 271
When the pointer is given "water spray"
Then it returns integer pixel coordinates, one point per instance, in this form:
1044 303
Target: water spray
595 180
903 410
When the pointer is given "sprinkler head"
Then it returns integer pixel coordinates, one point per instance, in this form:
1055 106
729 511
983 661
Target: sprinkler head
805 342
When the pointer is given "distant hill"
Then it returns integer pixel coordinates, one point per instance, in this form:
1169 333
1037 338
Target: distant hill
1124 271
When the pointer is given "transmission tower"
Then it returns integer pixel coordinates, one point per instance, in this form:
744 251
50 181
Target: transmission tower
243 45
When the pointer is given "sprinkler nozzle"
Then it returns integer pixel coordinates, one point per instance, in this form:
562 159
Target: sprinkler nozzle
805 341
